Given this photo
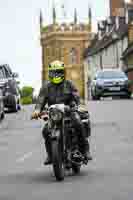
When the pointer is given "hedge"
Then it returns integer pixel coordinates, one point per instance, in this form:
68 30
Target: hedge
26 100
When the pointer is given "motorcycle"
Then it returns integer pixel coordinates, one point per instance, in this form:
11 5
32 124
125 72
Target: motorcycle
62 138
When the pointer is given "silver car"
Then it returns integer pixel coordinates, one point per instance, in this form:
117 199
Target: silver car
10 88
110 82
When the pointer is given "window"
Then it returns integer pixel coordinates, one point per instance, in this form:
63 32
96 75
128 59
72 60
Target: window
111 74
73 56
48 51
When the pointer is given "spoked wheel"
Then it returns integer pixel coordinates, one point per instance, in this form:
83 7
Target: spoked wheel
57 160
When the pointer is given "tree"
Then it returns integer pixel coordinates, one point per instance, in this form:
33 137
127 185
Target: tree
27 91
27 95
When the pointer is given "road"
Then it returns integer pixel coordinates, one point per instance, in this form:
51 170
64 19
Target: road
108 177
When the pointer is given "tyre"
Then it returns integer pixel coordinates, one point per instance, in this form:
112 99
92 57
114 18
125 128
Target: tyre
76 169
2 113
95 97
15 106
58 166
19 106
2 116
129 96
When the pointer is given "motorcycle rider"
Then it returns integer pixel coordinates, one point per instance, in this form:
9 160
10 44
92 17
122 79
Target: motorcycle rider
58 90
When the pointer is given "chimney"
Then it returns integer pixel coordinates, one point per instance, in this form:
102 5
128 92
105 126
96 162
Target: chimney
130 14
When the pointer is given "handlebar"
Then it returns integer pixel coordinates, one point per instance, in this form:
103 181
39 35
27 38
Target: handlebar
44 113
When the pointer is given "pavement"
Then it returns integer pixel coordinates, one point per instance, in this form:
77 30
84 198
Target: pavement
109 176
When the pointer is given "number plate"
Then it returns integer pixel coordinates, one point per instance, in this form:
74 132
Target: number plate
114 88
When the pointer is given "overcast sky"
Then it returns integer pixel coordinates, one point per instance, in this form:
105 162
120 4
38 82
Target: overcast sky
19 31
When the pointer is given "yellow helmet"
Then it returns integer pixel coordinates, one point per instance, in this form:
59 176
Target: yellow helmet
56 72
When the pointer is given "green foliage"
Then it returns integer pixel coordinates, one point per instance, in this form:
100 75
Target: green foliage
27 91
130 82
26 100
45 29
26 95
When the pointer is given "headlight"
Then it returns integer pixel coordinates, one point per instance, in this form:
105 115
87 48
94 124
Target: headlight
55 116
7 93
122 82
100 83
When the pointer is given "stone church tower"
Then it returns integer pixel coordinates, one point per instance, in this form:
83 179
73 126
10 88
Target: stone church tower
66 42
117 7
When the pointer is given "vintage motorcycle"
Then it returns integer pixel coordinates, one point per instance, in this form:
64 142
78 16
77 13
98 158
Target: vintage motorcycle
62 140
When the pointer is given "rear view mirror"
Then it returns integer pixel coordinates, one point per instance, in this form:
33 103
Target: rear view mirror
15 75
18 82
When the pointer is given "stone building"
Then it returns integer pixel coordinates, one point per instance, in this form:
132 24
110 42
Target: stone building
66 42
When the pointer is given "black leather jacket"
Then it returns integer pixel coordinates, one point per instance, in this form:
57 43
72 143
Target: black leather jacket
64 92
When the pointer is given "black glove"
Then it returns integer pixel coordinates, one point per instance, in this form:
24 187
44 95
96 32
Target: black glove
74 106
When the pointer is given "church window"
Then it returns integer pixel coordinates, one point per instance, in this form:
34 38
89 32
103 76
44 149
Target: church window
48 51
73 56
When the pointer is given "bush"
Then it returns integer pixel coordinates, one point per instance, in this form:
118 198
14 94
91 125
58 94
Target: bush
26 100
27 91
130 82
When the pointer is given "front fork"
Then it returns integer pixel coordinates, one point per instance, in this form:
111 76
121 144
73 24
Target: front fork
57 133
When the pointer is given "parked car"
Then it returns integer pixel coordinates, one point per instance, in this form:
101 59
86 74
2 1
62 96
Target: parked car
110 82
10 88
1 105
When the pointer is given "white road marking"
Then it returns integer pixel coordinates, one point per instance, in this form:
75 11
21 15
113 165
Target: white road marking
25 156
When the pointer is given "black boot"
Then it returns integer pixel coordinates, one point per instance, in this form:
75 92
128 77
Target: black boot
48 159
86 150
87 156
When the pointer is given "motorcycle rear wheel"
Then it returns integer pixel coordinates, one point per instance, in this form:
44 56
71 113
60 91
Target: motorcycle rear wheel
76 169
57 160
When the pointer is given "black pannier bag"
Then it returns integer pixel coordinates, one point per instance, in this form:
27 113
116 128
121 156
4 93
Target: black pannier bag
85 117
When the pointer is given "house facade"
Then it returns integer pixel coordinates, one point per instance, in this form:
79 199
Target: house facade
111 48
108 48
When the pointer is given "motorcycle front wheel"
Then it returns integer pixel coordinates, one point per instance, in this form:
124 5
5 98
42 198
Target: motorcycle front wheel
57 160
76 169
